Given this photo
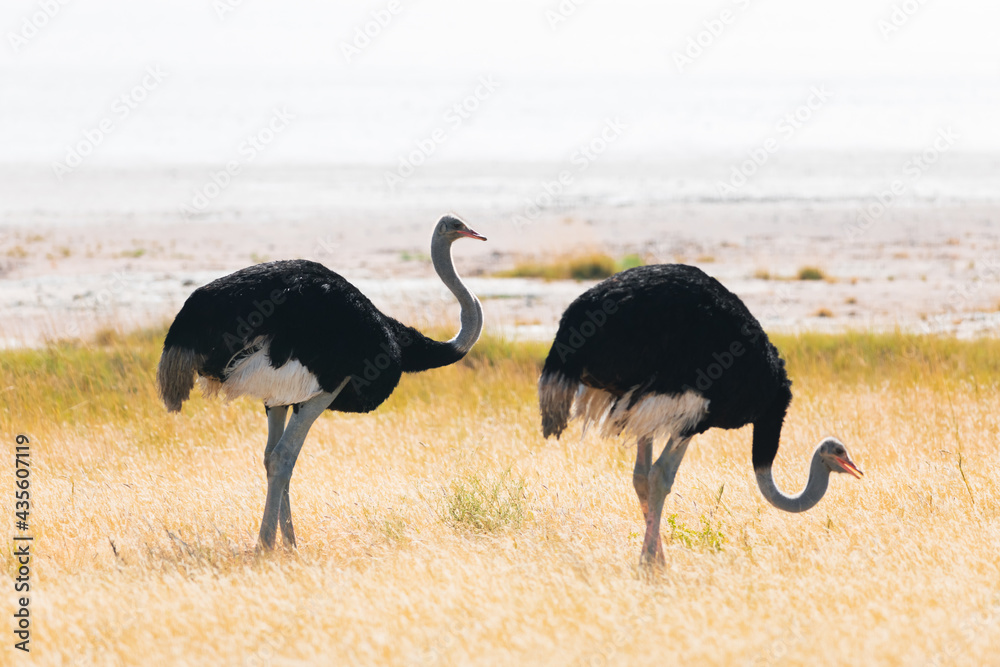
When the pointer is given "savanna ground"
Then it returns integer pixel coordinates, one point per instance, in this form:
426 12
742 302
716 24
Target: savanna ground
442 529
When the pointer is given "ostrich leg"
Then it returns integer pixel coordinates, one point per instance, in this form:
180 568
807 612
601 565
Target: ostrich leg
275 427
285 519
276 416
640 476
281 462
661 479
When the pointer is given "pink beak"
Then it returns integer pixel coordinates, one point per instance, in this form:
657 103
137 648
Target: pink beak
849 467
473 235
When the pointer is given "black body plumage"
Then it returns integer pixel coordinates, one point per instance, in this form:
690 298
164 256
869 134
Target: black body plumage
667 329
304 312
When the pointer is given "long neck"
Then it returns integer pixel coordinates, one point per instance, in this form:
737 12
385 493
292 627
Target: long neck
472 312
422 353
766 437
819 479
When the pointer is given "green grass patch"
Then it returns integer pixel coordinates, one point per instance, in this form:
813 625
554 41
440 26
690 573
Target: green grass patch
805 273
111 377
486 502
811 273
707 538
875 358
390 524
492 350
630 262
590 266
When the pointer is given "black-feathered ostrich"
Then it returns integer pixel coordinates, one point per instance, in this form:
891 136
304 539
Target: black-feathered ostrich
666 350
294 333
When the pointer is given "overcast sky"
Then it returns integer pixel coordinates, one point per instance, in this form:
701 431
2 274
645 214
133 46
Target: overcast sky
898 70
442 38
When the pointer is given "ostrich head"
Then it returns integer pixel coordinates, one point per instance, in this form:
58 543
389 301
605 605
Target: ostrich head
450 229
830 456
834 455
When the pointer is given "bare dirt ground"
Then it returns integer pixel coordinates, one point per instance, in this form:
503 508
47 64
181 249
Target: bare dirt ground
85 261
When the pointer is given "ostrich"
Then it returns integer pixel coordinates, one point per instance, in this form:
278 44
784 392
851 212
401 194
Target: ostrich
666 350
294 333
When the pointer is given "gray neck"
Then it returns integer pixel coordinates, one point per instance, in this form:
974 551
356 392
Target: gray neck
472 312
819 480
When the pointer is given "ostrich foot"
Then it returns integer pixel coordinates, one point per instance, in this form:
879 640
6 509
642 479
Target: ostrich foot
652 547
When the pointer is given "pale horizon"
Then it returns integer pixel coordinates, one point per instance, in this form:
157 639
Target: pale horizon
226 71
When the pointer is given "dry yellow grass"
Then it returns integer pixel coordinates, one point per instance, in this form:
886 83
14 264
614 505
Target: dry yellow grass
145 523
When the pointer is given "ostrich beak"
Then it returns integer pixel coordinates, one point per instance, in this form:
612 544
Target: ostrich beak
849 467
473 235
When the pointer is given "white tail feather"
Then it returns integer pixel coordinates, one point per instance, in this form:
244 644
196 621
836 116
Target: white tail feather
653 415
251 374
